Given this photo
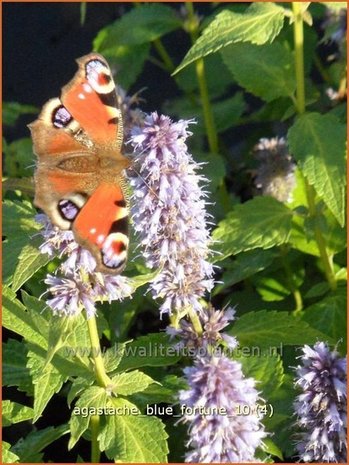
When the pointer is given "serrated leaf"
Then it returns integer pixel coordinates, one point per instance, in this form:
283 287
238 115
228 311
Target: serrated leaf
78 386
151 350
16 318
318 143
266 71
266 368
133 438
94 397
157 393
7 456
266 329
245 265
261 222
12 412
30 260
259 24
113 356
14 369
47 380
19 229
11 111
125 384
329 316
29 448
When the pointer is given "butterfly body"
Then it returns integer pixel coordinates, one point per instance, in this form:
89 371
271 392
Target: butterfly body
79 180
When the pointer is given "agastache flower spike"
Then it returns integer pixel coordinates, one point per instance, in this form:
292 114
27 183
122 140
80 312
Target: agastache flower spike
169 214
218 382
81 286
322 406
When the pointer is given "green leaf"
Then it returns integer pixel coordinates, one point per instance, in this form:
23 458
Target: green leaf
20 320
78 386
12 412
157 393
266 71
139 26
128 60
152 350
272 329
271 448
125 384
133 438
113 356
11 111
47 380
18 158
19 229
29 449
246 264
30 260
126 42
6 455
329 316
68 336
94 397
266 368
14 369
259 24
137 281
318 144
261 222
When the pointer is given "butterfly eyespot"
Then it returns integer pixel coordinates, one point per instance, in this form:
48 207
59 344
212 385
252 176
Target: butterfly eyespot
61 117
98 76
78 182
68 209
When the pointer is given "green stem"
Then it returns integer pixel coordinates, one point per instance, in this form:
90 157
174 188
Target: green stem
101 376
203 89
290 280
300 97
299 58
326 259
95 452
168 63
195 321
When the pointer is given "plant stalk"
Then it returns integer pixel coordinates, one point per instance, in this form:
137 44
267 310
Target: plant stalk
300 99
102 378
203 89
95 452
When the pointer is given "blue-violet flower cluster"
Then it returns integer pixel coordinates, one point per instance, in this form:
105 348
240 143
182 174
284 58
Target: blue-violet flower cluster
81 285
169 214
218 382
322 406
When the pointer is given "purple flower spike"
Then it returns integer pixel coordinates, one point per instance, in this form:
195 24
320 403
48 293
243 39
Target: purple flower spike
322 406
169 214
81 286
228 436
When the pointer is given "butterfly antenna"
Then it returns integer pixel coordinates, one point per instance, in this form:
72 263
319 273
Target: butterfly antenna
145 182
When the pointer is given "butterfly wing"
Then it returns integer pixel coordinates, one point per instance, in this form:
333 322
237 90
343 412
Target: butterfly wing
77 139
102 227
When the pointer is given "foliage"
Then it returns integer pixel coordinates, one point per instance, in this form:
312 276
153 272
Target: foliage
281 263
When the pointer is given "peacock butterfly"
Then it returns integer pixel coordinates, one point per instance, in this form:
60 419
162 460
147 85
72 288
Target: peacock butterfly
79 178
